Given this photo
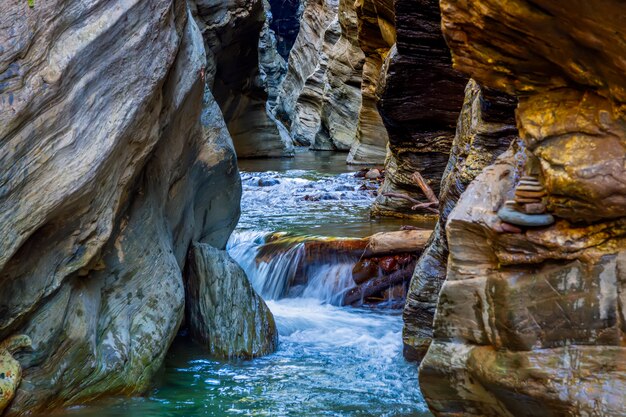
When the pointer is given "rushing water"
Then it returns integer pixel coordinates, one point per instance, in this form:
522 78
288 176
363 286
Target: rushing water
331 360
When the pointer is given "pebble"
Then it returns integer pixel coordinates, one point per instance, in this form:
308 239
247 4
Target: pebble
513 217
373 174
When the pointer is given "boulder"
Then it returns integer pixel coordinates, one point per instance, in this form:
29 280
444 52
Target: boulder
224 313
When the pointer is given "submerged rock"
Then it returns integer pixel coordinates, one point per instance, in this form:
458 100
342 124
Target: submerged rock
224 313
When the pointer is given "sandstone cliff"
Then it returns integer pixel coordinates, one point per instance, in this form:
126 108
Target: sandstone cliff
114 160
420 98
485 129
231 31
376 35
532 323
327 109
305 56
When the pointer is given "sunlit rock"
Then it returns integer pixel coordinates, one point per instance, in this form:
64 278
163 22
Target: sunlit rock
532 323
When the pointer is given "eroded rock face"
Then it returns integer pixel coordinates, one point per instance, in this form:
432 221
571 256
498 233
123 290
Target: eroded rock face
485 129
231 31
104 190
304 59
376 35
224 313
420 98
326 112
532 323
286 23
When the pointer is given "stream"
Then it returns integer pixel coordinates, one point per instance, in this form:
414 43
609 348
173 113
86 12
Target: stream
331 360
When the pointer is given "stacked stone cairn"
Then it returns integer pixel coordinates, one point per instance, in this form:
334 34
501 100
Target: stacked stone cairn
528 209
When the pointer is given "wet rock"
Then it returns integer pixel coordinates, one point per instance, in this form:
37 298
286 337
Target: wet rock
485 129
102 196
373 174
344 188
420 96
268 182
224 313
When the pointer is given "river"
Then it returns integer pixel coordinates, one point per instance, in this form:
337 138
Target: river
331 360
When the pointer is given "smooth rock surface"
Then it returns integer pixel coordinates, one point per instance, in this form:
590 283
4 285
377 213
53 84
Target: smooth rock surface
305 56
376 36
485 129
420 97
231 31
114 159
224 313
517 218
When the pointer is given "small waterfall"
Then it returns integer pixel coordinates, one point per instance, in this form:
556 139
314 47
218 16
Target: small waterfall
277 267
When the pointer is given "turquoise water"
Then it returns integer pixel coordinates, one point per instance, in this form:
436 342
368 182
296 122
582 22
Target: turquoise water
331 360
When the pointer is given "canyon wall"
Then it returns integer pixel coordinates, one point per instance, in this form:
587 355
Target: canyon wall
340 99
485 129
376 36
285 23
231 33
307 52
115 158
420 97
532 323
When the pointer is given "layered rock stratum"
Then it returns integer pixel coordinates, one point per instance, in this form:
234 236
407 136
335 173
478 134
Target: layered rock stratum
115 158
306 56
532 323
420 96
485 129
376 36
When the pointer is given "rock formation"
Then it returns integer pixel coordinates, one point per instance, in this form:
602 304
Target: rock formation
224 313
231 31
285 23
114 159
272 65
532 323
485 129
326 111
10 368
376 35
305 55
420 98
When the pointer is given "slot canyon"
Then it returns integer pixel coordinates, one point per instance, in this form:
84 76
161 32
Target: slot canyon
399 208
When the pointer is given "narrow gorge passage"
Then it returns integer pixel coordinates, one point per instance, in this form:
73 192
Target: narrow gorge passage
331 360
